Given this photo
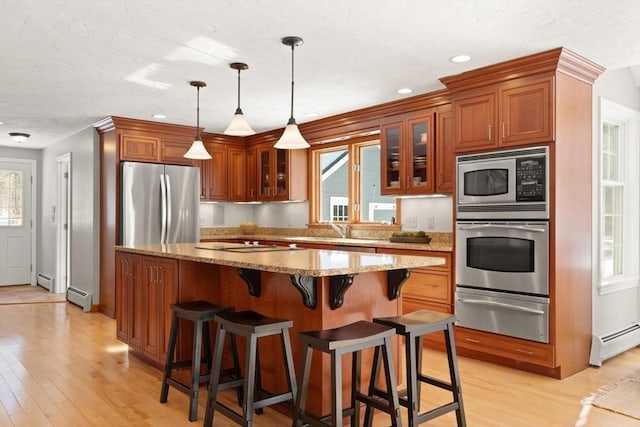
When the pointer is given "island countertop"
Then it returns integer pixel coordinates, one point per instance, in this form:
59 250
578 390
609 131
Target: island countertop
285 260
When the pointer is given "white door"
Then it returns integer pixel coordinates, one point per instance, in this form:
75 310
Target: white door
15 222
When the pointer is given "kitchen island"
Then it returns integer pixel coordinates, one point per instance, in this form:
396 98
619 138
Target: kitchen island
317 289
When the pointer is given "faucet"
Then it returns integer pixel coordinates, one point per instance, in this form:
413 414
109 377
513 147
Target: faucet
342 230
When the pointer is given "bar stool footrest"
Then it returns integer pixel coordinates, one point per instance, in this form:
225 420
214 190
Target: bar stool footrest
185 388
436 412
436 382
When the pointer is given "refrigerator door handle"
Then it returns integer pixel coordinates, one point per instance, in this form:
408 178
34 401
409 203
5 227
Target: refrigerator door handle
168 206
163 203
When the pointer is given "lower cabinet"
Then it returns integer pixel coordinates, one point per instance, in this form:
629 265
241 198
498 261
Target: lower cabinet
146 287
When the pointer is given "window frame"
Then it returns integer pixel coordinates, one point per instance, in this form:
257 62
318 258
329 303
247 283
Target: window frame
353 146
628 179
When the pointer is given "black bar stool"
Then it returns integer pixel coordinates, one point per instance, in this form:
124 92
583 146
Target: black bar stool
252 326
352 338
413 327
201 313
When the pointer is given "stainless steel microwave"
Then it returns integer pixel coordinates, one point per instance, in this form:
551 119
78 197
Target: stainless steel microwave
511 184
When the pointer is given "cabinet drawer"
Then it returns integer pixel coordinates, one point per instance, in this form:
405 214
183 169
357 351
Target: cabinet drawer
431 286
510 348
139 148
446 256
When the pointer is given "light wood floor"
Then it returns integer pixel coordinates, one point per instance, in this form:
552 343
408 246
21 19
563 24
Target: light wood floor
17 294
62 367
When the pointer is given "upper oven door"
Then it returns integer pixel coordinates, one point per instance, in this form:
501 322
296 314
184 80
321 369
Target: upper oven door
507 256
488 181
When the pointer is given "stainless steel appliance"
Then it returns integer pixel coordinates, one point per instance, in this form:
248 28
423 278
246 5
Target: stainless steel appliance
160 203
503 256
502 243
504 184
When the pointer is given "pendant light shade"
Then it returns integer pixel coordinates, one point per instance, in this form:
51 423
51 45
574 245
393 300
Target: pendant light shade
197 150
239 125
291 138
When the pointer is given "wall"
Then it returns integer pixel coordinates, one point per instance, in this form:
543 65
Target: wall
617 309
85 220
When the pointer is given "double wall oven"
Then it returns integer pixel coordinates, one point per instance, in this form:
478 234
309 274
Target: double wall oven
502 243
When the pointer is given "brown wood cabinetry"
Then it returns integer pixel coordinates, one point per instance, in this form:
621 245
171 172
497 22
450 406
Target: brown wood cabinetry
145 289
280 174
445 155
252 173
540 99
151 149
223 177
129 299
517 112
407 161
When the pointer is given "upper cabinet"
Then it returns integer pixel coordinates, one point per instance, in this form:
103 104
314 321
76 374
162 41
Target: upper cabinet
223 177
153 149
280 174
417 153
516 112
408 154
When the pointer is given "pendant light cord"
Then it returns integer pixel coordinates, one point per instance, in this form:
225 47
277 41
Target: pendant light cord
238 111
198 115
292 62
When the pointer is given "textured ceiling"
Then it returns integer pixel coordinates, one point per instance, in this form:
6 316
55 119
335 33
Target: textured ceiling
65 64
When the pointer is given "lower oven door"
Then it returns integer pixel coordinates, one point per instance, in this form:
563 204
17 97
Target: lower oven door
520 316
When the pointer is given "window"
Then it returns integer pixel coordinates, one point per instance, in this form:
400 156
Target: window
348 184
11 197
618 233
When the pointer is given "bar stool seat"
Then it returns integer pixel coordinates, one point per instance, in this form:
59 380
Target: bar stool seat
349 339
252 326
201 313
413 326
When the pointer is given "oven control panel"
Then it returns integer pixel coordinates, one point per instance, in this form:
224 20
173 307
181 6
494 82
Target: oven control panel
530 179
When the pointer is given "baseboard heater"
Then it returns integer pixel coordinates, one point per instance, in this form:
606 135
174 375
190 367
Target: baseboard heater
613 343
80 298
45 281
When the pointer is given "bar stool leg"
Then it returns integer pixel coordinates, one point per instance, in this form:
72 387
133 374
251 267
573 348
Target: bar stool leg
195 371
392 389
375 375
215 376
356 359
454 374
301 398
168 367
250 375
336 389
288 357
206 342
411 354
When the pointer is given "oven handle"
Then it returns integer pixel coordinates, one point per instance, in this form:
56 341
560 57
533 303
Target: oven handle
510 227
501 305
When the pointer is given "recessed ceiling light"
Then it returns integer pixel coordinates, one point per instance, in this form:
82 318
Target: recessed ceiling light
159 116
311 114
460 58
1 123
405 90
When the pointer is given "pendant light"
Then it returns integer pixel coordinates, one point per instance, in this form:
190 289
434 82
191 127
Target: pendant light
239 125
197 150
291 138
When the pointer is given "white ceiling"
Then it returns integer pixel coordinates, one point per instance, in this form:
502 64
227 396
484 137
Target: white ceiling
65 64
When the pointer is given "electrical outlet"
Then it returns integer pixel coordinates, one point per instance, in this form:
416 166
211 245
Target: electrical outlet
431 222
410 222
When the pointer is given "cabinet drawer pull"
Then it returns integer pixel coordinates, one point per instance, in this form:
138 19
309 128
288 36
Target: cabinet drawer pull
529 353
431 285
472 340
490 133
504 130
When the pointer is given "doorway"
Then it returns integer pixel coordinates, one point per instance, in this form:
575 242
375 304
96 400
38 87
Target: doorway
63 252
17 232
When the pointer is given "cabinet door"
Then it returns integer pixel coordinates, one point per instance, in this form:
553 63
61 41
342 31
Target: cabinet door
445 155
526 113
475 118
418 160
159 280
391 174
205 170
236 174
252 174
172 152
266 179
122 300
217 172
281 168
139 148
135 304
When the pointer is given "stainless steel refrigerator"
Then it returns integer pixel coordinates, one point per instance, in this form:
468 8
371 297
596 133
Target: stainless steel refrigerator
160 203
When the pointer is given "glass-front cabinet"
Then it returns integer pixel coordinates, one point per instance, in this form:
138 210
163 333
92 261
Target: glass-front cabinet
272 174
408 147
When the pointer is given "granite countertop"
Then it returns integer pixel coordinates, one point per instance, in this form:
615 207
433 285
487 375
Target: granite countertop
337 241
298 261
